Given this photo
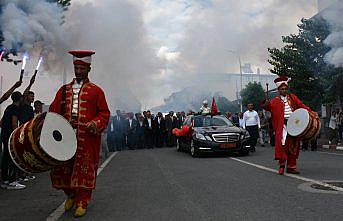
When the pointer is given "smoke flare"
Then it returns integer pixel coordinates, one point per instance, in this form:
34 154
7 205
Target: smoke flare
25 57
39 63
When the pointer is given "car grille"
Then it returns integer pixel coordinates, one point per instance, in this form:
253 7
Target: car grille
226 137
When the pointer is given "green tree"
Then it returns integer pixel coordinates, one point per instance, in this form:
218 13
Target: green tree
225 105
64 3
253 93
302 59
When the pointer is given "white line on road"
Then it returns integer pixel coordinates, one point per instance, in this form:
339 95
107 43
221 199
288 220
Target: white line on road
289 175
54 216
323 152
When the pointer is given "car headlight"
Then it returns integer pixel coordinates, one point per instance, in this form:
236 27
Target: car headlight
208 137
245 136
200 137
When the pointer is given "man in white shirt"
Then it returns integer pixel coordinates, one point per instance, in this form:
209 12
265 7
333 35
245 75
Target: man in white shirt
333 128
251 122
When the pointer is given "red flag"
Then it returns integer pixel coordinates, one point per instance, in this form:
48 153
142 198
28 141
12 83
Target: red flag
214 109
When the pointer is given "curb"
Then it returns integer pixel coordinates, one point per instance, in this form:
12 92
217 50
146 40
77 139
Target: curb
332 147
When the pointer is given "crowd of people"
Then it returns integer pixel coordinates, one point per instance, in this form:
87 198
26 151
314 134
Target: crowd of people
17 113
128 131
142 130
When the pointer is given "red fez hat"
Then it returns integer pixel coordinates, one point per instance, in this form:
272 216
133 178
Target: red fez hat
82 57
281 80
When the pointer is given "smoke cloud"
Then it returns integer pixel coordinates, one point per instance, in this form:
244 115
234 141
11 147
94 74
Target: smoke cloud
33 25
124 61
147 49
216 33
333 15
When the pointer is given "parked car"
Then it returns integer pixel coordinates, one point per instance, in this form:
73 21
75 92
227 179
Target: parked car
208 134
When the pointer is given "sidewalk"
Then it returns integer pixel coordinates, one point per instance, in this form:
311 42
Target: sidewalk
324 143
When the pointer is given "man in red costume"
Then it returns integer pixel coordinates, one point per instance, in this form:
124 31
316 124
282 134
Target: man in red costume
84 105
281 107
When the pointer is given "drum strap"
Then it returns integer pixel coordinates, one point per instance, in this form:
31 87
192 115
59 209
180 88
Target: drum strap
292 104
63 102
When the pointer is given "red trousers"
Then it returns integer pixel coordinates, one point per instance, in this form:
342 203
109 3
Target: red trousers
82 196
289 158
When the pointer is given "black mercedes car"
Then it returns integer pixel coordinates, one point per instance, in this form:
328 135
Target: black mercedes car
208 134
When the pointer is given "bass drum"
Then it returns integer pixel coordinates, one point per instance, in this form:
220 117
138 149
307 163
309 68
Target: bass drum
303 124
42 143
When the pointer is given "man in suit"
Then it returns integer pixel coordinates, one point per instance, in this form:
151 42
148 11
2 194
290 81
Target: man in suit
149 130
118 125
131 126
171 123
110 135
140 132
180 118
183 117
160 128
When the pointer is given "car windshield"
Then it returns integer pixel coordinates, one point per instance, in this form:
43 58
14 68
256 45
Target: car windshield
208 121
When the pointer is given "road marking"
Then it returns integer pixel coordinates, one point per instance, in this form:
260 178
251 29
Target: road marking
54 216
323 152
289 175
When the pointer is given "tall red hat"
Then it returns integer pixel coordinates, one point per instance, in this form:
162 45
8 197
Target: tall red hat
82 57
281 80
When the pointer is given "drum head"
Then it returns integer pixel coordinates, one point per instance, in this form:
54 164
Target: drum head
298 122
58 138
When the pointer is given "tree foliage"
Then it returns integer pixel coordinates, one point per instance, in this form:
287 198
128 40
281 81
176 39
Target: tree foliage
302 59
64 3
225 105
253 93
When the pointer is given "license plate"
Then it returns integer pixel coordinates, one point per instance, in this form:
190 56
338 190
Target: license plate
227 145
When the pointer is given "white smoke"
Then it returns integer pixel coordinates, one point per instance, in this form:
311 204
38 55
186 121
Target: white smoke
124 62
333 15
32 25
218 33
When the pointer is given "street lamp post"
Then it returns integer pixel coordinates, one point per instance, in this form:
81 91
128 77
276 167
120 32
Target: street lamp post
241 73
241 76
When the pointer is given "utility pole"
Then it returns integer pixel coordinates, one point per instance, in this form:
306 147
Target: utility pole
241 75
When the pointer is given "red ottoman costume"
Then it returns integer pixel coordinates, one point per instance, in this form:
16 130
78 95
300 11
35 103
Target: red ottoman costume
84 103
286 147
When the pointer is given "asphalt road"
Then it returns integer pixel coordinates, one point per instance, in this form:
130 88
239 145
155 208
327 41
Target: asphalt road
162 184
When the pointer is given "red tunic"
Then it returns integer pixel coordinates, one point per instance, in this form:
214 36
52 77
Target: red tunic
277 108
81 171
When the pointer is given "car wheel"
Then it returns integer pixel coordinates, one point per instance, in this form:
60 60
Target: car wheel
194 151
244 152
178 148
